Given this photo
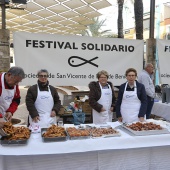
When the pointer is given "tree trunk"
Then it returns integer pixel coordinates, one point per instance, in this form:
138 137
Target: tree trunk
120 18
138 10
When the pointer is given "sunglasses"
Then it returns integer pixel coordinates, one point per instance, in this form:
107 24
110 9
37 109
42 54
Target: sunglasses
43 76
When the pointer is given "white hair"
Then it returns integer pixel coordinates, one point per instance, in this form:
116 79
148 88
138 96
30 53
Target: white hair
147 65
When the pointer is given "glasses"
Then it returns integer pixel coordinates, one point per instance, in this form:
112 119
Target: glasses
131 75
42 76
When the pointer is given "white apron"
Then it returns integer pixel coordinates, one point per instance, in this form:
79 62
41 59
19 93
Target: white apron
130 105
106 101
6 96
44 104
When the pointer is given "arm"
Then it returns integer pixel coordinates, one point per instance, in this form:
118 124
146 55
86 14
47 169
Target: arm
94 94
1 124
149 87
15 102
143 98
119 101
113 95
57 101
30 100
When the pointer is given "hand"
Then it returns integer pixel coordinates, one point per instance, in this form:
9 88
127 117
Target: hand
111 109
120 119
141 119
53 114
1 124
102 110
36 119
8 116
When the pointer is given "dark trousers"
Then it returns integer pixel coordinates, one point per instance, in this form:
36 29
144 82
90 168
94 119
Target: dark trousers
150 102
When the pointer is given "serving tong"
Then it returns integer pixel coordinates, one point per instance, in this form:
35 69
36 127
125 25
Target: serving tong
2 132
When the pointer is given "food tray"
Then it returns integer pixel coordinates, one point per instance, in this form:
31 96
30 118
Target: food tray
52 139
5 142
77 137
147 132
111 135
107 135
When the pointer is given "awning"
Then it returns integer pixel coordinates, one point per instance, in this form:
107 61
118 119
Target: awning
53 16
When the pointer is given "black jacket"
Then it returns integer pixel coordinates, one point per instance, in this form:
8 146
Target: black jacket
32 96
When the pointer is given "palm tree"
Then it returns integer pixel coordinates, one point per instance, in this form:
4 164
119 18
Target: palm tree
138 10
120 18
95 29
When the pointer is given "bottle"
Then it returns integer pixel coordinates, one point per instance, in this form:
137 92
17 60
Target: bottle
156 98
80 109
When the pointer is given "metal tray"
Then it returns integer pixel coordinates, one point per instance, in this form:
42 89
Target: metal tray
5 142
53 139
77 137
111 135
107 135
147 132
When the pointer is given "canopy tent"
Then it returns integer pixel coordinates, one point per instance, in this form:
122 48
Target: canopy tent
53 16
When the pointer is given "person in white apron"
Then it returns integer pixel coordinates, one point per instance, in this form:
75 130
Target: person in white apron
9 92
102 99
42 102
132 100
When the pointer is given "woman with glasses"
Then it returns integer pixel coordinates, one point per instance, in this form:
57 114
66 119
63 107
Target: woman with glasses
102 98
132 100
42 101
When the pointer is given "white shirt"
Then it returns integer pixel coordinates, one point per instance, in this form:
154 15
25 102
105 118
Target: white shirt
146 80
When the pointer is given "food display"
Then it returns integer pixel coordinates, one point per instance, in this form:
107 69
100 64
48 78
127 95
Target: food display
53 133
145 128
75 133
103 132
16 135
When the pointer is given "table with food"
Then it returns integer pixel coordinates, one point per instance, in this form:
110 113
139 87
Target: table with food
87 146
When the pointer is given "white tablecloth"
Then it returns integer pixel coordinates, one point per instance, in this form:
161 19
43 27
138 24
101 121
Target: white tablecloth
118 153
162 110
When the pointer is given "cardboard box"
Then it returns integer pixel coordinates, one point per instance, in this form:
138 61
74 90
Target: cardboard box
86 108
62 110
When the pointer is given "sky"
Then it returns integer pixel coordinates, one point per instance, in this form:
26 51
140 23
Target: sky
110 14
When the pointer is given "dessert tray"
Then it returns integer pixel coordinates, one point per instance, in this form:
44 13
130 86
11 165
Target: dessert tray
53 134
145 128
103 132
14 135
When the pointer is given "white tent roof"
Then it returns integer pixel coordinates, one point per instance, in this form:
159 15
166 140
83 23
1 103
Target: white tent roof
53 16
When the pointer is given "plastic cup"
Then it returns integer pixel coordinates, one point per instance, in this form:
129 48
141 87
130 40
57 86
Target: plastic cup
60 123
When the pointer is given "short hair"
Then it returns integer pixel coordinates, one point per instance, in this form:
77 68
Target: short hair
102 72
130 70
42 71
148 65
16 71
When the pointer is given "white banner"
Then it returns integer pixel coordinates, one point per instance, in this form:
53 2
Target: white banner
164 60
75 60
